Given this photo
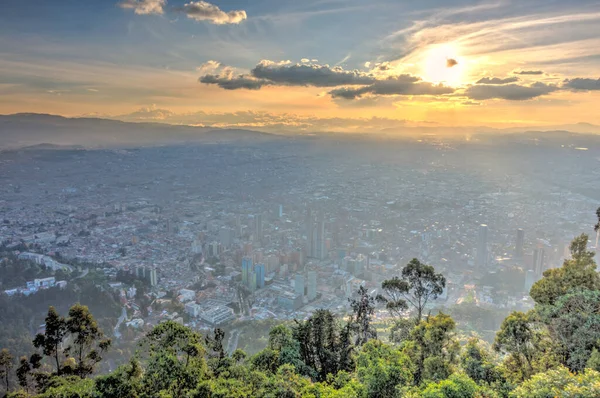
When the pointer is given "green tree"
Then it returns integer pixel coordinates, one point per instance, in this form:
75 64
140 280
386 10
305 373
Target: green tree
6 365
433 348
560 383
87 340
417 285
477 363
363 309
577 273
23 371
51 341
173 360
456 386
383 370
594 361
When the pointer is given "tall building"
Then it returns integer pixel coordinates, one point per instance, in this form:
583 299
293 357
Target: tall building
320 250
280 211
259 271
299 285
538 261
312 285
226 235
309 225
258 228
247 266
529 280
519 243
482 252
152 277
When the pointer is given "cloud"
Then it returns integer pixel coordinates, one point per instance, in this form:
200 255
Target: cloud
144 7
512 92
450 62
528 72
309 75
203 11
582 84
397 85
230 82
497 80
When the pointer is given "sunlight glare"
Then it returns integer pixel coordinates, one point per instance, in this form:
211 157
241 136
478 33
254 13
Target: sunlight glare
443 64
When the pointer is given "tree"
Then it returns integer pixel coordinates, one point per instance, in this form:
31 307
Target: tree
383 369
574 324
577 273
363 309
88 341
51 341
417 285
23 371
456 386
6 364
433 348
477 363
560 383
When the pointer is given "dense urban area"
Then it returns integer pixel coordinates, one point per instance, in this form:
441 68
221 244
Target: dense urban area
242 237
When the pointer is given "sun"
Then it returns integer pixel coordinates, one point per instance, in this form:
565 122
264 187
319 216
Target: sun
443 64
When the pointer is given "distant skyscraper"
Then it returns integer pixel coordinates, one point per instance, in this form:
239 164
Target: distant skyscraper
226 236
320 250
482 254
519 244
259 271
258 228
529 280
280 211
538 261
299 285
246 268
309 225
152 277
312 285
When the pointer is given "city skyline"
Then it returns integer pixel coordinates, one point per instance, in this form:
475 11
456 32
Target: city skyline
315 66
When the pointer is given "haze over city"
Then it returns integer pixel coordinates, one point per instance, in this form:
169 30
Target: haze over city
318 198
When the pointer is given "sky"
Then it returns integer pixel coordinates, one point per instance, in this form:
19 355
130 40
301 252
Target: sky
311 65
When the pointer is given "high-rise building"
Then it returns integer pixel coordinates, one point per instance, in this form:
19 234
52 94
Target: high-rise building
538 261
226 235
152 277
320 250
258 228
299 285
247 266
529 279
482 253
309 225
280 211
312 285
259 271
519 243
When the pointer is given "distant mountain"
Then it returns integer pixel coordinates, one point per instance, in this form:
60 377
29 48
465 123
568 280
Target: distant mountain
48 131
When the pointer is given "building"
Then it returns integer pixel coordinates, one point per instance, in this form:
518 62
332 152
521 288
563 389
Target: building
258 228
226 236
247 266
519 243
152 278
309 225
299 285
539 261
312 285
319 244
289 301
482 252
259 271
529 280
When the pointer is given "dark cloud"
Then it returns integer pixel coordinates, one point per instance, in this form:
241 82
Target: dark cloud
229 82
497 80
582 84
528 72
309 75
513 92
450 62
398 85
203 11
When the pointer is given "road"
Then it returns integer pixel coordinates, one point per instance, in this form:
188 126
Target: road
123 316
